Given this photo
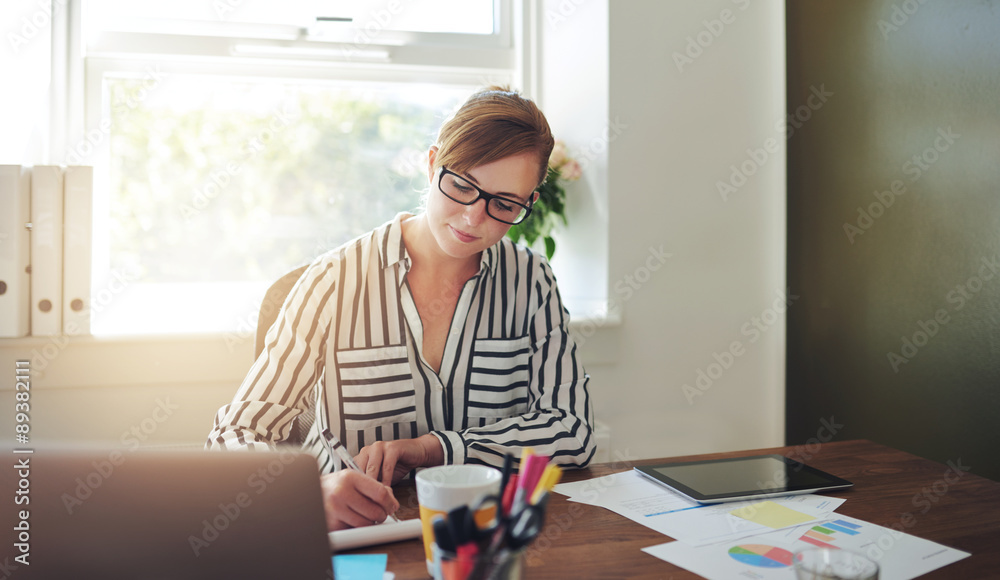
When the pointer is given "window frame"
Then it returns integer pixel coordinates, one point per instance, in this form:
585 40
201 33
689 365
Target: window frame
335 42
331 32
437 58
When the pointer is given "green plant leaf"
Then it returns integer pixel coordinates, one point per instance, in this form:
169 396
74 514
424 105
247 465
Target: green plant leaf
549 209
514 233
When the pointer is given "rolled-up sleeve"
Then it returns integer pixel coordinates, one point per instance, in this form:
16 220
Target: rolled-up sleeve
278 385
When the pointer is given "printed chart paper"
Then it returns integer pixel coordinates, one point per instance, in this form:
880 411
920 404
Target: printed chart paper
768 556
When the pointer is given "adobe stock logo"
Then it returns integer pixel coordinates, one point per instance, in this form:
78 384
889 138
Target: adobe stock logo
712 30
899 17
38 22
222 176
88 484
785 127
217 522
566 9
915 168
753 329
959 295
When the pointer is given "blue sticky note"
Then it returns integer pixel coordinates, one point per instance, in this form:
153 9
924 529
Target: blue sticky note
359 566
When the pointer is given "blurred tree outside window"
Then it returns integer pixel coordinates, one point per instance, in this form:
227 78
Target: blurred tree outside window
234 182
233 141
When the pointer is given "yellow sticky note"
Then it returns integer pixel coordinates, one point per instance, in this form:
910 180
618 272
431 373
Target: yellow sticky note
772 515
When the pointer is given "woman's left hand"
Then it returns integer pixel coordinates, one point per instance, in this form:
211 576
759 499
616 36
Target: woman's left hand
390 461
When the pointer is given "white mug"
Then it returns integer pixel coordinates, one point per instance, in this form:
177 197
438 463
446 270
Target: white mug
445 487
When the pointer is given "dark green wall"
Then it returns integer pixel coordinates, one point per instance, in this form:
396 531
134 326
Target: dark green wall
916 103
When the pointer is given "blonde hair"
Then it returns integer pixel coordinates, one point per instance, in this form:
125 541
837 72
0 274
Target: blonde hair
492 124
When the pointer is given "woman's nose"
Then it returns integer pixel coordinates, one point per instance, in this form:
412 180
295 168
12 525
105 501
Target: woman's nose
475 213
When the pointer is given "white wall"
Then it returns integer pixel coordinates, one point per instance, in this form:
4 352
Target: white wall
685 128
653 187
573 92
25 65
677 125
121 391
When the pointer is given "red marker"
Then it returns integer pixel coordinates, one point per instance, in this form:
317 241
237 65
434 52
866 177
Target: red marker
466 556
507 501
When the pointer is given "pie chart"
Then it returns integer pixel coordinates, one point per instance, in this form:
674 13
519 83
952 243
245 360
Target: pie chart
761 556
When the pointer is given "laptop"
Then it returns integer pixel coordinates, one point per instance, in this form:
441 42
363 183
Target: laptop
158 515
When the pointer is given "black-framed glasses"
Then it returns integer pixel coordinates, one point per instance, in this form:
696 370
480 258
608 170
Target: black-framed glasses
501 208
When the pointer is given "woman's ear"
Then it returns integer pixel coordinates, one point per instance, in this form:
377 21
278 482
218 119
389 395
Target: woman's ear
534 197
431 157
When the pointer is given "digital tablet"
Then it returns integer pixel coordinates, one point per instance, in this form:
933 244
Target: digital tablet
741 478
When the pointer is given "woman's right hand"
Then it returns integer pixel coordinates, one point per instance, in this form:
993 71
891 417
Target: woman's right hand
352 500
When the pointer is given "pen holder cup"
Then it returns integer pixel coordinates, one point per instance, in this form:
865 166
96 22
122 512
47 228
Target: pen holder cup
504 565
445 487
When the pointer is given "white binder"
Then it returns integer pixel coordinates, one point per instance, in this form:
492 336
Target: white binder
46 250
15 243
77 214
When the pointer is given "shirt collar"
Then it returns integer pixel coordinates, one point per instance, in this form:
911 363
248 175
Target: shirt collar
391 248
390 243
491 257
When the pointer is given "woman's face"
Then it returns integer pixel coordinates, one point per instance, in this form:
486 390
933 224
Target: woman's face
463 231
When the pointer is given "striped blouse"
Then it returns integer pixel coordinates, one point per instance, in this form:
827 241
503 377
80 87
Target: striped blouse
348 341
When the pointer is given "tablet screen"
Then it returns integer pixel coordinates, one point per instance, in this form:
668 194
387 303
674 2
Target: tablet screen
729 479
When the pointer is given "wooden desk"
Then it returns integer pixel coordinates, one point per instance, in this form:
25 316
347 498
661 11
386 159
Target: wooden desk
891 488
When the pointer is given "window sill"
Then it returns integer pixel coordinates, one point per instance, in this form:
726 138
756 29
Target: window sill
59 362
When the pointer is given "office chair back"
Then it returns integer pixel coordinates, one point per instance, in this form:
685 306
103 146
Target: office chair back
274 298
271 305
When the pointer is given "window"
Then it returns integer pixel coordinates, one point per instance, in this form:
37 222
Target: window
241 139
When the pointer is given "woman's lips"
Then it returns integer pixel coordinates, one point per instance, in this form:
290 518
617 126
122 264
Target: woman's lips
462 236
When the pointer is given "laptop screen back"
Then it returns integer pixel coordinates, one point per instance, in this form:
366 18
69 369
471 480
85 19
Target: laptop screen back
159 515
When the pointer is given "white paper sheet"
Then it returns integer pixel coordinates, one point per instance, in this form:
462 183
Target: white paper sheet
670 513
767 557
372 535
628 490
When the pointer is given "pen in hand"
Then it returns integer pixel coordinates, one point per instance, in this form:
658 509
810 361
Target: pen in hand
335 447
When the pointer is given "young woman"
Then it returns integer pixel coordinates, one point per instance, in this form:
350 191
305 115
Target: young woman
433 339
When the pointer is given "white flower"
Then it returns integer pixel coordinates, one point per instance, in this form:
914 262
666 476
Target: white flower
559 156
571 170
